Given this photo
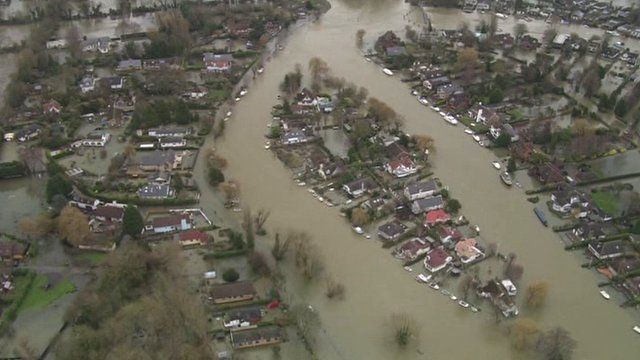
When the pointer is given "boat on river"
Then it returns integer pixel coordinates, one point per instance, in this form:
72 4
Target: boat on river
468 131
423 100
434 286
463 303
358 230
540 215
605 294
496 164
423 278
387 72
636 329
260 70
451 120
506 178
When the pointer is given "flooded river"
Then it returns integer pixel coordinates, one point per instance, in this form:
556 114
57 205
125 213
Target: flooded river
356 328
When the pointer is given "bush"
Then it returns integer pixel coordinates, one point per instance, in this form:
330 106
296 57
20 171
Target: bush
215 176
230 275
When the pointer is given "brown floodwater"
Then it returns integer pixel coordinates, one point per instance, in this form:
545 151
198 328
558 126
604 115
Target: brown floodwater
357 328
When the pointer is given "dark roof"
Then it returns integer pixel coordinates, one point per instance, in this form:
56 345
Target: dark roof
11 248
252 336
429 202
157 158
608 248
109 212
392 229
418 187
233 290
154 191
172 220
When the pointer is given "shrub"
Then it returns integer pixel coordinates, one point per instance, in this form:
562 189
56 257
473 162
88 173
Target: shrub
230 275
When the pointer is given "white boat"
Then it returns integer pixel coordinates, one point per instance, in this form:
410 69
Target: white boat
434 286
636 329
320 198
453 297
451 120
228 113
476 137
311 191
423 278
423 101
477 228
445 292
463 303
367 58
474 309
408 269
468 131
302 183
367 236
605 294
358 230
243 92
414 92
260 70
237 99
226 119
496 164
267 147
443 114
387 72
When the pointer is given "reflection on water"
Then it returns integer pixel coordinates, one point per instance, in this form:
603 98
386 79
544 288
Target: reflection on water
19 198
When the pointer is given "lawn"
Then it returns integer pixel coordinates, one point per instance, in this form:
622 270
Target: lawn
93 258
606 201
39 297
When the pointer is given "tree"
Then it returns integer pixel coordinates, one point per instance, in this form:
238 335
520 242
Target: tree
292 82
259 264
57 185
231 190
636 228
503 140
319 70
381 111
591 81
467 59
536 294
230 275
73 225
556 344
511 164
335 290
279 250
132 221
215 176
524 334
359 217
453 206
424 143
360 38
261 218
465 285
37 226
404 328
74 42
514 271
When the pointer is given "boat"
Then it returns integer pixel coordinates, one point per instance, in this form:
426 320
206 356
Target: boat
358 230
367 236
540 216
267 147
468 131
474 309
506 178
496 164
260 70
445 292
302 183
442 113
423 100
453 297
408 269
414 92
636 329
463 303
228 113
243 92
320 198
451 120
605 294
477 229
368 59
476 137
434 286
237 99
387 72
423 278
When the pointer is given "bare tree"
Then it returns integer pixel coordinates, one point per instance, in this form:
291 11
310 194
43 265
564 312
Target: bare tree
335 290
37 226
360 38
556 344
359 217
261 218
536 294
524 334
465 285
404 328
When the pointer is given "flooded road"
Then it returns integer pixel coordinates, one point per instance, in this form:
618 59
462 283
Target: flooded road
376 285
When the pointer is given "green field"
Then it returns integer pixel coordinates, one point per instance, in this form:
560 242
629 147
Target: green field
606 201
39 298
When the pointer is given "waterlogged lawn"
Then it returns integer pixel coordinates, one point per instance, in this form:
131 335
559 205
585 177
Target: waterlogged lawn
606 201
93 258
39 297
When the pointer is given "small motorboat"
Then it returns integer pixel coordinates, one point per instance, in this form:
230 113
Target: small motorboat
302 183
496 164
468 131
451 120
453 297
243 92
423 100
506 178
423 278
367 236
445 292
320 198
435 108
237 99
267 147
605 294
387 72
358 230
367 58
474 309
414 92
408 269
636 329
434 286
463 303
476 137
228 113
442 113
260 70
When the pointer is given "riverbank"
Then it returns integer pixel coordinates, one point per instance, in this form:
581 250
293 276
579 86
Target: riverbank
372 286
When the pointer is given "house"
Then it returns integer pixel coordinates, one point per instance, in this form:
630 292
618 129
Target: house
192 238
129 65
448 234
560 39
358 187
564 199
443 92
483 5
157 161
434 83
436 260
57 44
197 92
12 251
509 287
155 191
458 102
547 173
306 97
401 167
435 217
468 251
94 139
499 297
103 44
528 42
607 250
504 41
251 315
217 62
420 190
109 213
622 266
169 132
256 337
395 150
170 223
157 64
28 132
87 84
589 231
325 105
172 142
427 204
392 230
295 136
233 292
484 115
51 107
412 249
114 82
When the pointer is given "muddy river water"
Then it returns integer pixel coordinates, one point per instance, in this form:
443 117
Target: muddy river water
357 328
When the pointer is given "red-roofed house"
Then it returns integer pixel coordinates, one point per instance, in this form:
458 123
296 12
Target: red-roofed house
193 238
401 166
52 107
437 260
449 234
436 217
467 250
412 249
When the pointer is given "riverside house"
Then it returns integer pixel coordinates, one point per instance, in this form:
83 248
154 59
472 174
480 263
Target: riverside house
233 292
392 230
359 187
412 249
256 337
420 190
401 166
427 204
435 217
436 260
170 223
217 62
607 250
468 251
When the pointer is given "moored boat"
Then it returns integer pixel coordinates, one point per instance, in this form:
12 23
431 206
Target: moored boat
463 303
468 131
423 278
496 164
506 178
408 269
605 294
423 100
540 215
358 230
387 72
434 286
636 329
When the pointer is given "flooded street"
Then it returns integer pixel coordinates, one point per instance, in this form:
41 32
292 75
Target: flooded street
376 285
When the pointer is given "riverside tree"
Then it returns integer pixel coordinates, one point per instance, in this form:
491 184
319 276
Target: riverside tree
73 225
556 344
403 327
524 334
230 275
536 294
132 222
57 185
360 38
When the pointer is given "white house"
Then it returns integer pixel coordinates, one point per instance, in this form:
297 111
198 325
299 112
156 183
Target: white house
170 223
87 84
401 167
420 190
172 142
